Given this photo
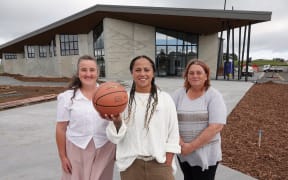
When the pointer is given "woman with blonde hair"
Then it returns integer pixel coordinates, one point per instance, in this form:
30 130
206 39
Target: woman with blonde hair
84 149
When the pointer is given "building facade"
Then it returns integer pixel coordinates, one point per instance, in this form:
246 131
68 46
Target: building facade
53 51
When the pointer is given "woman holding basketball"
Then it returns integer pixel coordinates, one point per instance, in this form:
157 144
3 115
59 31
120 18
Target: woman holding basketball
146 133
83 147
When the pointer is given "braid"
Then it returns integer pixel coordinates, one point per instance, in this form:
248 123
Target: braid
146 125
130 102
154 96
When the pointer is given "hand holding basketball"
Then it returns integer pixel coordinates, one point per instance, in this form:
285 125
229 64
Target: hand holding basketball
110 98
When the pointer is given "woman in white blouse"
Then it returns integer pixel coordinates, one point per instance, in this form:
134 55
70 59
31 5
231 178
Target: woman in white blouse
146 133
84 150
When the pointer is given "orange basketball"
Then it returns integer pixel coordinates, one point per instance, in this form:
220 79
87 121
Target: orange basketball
110 98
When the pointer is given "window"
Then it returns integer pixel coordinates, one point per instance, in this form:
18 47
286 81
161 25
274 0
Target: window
69 45
173 51
31 51
42 51
98 45
10 56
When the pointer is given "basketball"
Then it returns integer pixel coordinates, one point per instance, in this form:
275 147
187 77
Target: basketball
110 98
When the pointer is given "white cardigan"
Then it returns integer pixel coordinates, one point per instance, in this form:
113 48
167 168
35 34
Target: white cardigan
133 139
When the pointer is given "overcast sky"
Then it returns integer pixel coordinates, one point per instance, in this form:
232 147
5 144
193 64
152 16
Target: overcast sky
269 39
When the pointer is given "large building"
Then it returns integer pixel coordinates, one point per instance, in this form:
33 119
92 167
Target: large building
116 34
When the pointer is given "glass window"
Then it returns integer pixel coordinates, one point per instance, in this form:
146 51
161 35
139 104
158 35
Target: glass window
173 51
66 46
180 42
181 50
161 39
31 51
160 49
69 45
171 40
70 38
98 45
42 51
76 45
10 56
62 38
187 43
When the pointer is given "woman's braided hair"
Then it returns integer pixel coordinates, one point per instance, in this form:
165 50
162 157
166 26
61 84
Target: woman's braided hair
153 97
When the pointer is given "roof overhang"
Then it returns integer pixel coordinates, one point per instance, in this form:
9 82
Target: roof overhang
200 21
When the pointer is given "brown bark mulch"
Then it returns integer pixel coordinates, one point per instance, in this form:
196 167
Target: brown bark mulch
264 107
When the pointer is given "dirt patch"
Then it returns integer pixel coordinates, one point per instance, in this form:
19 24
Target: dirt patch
36 79
264 107
11 93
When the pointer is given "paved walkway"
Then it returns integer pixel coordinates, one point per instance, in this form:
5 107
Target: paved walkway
27 135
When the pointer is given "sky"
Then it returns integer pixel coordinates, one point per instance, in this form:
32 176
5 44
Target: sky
268 39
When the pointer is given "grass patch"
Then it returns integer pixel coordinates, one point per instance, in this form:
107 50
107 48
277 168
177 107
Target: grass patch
271 62
264 62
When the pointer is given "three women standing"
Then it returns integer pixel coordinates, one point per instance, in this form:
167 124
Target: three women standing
147 132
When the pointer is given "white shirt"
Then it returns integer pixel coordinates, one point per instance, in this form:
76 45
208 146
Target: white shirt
133 139
85 122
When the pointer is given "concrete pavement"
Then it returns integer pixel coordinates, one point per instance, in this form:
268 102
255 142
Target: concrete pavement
27 135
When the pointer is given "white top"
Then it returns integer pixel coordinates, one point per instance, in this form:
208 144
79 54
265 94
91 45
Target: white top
194 116
85 122
133 139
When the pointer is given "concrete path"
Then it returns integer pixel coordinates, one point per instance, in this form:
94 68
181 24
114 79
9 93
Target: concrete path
27 136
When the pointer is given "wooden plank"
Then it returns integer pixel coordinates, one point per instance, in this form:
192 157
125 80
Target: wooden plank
9 92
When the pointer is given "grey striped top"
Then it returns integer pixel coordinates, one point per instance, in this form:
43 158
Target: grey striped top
193 117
